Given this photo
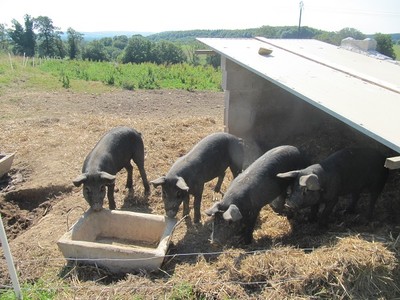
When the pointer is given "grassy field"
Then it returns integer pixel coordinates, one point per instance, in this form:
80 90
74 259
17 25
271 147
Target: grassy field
78 75
397 51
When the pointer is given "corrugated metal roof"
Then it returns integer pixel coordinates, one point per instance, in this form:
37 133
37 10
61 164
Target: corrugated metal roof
361 91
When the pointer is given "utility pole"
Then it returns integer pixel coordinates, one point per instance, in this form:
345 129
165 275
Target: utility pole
301 5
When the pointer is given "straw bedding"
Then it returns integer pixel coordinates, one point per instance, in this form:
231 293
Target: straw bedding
289 258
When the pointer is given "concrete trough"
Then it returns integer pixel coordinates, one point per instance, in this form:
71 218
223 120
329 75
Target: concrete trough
6 160
120 241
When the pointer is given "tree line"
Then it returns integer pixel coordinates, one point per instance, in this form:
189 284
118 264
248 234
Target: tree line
385 42
40 37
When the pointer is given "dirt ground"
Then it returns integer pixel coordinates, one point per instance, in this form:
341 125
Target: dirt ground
52 132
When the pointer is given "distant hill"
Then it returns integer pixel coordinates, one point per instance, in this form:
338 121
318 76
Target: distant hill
191 35
395 36
266 31
90 36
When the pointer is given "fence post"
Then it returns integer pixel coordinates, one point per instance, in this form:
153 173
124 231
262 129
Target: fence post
9 57
10 262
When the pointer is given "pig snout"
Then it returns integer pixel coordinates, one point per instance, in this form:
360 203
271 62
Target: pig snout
94 195
171 213
214 241
96 203
171 209
302 198
97 206
292 204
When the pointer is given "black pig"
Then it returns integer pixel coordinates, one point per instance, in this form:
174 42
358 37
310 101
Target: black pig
348 171
113 152
236 214
207 160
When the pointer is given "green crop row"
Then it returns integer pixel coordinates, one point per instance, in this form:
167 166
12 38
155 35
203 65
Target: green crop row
56 73
136 76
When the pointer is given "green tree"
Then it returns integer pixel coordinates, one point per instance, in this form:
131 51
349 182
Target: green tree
190 51
349 32
95 51
214 60
335 38
328 37
167 53
106 41
4 38
74 40
60 47
29 36
23 39
48 36
16 34
385 44
137 51
120 41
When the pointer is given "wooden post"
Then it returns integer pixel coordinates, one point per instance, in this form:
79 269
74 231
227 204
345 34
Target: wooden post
9 57
392 162
10 262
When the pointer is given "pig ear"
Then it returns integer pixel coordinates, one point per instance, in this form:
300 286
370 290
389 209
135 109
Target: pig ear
182 184
232 214
311 182
212 210
291 174
108 178
159 181
80 179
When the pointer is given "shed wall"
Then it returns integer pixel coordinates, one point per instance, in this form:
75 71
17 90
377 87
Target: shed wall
266 116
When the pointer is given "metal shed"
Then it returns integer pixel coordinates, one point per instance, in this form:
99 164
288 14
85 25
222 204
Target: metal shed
275 98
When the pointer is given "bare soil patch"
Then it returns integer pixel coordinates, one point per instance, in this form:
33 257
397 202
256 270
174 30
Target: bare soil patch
52 132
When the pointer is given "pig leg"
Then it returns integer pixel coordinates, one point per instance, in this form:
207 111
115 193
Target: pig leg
197 203
235 170
110 196
185 202
352 207
140 165
375 191
329 205
313 214
129 179
250 224
217 187
278 203
372 200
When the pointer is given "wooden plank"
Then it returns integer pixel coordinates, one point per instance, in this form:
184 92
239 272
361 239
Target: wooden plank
205 51
393 163
6 160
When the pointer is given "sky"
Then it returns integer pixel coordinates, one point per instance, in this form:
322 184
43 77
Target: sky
367 16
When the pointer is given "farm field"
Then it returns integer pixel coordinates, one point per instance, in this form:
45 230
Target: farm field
53 130
396 49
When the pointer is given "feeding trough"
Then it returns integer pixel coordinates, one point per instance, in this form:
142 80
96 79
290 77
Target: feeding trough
6 160
120 241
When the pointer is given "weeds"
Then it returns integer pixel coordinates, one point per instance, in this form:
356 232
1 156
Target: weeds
37 290
183 291
142 76
127 76
64 80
